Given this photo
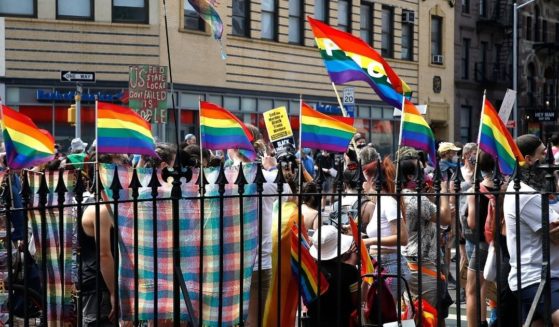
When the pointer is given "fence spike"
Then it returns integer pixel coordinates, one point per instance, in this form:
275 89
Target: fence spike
154 182
259 179
79 189
516 175
61 186
221 179
280 179
201 176
497 176
25 188
241 181
115 185
135 184
43 190
379 176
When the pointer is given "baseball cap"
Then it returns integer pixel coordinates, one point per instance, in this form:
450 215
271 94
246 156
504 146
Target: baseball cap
447 146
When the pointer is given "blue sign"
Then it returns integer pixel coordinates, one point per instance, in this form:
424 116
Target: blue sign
330 109
68 96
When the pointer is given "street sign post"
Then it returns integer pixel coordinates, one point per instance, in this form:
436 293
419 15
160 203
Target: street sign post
83 77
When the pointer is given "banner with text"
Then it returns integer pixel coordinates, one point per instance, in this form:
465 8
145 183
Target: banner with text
278 127
148 92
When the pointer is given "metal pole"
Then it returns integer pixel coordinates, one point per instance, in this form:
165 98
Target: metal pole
515 65
78 99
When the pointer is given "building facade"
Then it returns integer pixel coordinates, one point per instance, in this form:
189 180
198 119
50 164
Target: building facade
484 61
271 59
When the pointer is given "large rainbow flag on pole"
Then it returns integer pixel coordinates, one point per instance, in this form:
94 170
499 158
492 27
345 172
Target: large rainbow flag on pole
220 130
347 58
121 130
495 139
26 144
206 10
415 132
320 131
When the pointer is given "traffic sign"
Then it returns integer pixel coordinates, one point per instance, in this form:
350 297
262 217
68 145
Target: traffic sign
85 77
349 95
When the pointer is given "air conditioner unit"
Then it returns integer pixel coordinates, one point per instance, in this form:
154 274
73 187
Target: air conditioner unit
438 59
408 17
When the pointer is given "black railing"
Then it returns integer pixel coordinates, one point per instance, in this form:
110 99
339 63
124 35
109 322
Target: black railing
222 236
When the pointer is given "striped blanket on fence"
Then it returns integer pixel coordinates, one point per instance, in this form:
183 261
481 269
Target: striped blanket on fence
58 245
190 227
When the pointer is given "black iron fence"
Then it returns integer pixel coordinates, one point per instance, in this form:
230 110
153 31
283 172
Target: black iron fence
186 248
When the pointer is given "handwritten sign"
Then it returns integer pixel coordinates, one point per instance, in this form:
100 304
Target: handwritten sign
148 92
278 127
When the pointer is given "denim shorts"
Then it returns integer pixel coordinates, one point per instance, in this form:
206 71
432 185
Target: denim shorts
389 262
474 257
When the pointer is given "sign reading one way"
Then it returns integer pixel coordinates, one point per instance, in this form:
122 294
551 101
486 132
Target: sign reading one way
69 76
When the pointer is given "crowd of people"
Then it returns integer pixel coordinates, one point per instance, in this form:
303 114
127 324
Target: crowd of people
410 235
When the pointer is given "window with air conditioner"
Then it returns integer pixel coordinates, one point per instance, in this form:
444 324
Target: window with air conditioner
408 17
437 40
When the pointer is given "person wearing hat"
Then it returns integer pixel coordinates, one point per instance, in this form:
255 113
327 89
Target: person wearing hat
448 164
330 313
190 139
77 146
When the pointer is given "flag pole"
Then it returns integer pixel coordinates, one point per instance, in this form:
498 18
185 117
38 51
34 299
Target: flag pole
300 141
400 137
96 163
344 113
479 131
200 140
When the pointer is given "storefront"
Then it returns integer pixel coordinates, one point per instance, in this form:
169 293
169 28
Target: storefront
48 108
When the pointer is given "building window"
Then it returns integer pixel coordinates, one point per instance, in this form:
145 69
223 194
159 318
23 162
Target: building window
408 18
465 124
482 8
483 64
130 11
18 8
437 40
74 9
296 23
465 6
544 31
366 24
269 17
241 18
465 58
321 9
344 14
529 28
537 30
387 40
531 87
192 20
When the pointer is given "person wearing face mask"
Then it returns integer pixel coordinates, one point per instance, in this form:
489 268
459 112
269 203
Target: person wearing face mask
449 159
531 237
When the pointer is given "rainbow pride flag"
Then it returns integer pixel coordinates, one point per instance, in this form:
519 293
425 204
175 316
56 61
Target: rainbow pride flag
308 273
320 131
206 10
415 132
26 144
121 130
348 58
221 130
495 139
366 263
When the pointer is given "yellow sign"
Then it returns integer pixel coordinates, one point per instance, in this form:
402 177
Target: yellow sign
277 124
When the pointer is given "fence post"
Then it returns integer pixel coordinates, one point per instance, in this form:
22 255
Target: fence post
221 182
25 195
79 190
135 186
7 195
154 185
259 180
115 188
458 179
280 180
61 190
43 192
201 182
241 182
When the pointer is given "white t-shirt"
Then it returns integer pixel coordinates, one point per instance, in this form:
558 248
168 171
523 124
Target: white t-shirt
530 209
267 216
388 215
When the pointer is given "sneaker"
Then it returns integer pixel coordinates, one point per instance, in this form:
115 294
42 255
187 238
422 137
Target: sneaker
451 282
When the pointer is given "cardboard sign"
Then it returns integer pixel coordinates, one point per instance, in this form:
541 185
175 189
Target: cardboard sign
507 105
148 92
278 127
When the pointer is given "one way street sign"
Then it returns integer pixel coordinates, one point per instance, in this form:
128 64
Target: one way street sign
86 77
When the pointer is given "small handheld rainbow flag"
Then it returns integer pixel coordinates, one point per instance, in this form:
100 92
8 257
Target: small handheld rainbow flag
416 133
121 130
220 130
26 144
366 263
320 131
495 139
308 273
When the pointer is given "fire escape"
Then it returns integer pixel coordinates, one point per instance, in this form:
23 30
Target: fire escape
496 71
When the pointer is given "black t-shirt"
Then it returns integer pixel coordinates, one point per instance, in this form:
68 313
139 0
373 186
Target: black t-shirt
329 301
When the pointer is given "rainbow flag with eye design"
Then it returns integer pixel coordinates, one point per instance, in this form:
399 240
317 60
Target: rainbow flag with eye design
26 144
206 10
495 139
348 58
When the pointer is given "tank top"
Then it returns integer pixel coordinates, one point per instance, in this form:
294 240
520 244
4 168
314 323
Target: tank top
89 257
